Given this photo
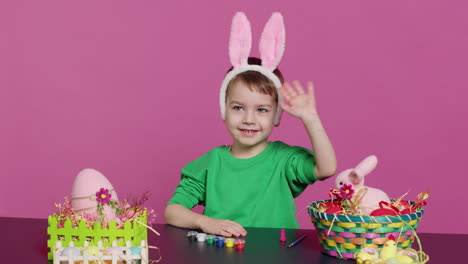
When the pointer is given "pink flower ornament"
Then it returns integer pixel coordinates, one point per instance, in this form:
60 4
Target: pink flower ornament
103 196
347 191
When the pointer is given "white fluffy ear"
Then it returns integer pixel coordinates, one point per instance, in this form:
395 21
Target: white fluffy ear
272 42
367 165
240 41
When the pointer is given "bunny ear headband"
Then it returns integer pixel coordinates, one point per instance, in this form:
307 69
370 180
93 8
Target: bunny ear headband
272 44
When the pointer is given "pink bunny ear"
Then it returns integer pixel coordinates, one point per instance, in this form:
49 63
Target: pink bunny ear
240 41
355 177
367 165
272 42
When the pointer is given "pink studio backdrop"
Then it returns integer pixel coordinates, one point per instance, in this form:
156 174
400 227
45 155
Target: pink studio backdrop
131 89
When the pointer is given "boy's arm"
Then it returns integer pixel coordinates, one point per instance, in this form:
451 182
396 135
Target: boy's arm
325 159
178 215
302 105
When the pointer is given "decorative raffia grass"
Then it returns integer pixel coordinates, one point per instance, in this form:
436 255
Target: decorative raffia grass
132 231
343 235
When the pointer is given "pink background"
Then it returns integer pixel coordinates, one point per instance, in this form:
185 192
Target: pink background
131 89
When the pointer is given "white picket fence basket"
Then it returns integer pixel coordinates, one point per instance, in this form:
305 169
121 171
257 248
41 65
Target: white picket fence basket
127 257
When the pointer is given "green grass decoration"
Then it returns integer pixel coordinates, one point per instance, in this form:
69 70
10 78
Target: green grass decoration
132 231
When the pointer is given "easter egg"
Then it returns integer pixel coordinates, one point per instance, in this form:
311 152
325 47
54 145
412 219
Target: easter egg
71 251
333 210
113 251
363 256
92 250
84 190
135 250
408 253
404 259
407 211
383 211
392 261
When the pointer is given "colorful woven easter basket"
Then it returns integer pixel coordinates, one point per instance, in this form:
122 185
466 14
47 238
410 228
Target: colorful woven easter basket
343 235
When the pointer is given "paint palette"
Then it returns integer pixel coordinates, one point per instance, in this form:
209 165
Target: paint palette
218 241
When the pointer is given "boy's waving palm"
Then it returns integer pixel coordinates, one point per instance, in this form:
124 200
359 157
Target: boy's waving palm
297 102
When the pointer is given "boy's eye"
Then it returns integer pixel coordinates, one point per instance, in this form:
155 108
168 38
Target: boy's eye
262 110
237 107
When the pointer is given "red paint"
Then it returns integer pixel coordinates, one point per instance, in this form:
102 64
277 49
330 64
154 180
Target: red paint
240 246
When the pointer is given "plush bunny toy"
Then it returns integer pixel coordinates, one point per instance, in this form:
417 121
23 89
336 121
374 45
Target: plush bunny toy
355 177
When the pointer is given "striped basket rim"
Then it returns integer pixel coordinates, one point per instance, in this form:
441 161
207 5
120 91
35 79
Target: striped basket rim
312 208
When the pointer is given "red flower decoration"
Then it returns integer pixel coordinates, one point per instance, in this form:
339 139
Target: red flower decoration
346 192
103 196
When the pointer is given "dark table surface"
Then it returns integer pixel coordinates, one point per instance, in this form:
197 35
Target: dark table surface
25 241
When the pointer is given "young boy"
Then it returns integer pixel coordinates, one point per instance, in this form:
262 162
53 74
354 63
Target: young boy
253 182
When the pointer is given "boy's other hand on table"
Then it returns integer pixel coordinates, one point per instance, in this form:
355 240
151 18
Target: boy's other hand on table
221 227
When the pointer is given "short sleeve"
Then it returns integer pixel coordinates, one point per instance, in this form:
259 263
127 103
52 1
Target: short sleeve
300 169
191 189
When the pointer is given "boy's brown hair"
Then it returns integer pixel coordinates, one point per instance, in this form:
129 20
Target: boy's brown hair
256 81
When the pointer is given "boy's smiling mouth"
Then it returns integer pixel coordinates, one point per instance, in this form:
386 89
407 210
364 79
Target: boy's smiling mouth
248 132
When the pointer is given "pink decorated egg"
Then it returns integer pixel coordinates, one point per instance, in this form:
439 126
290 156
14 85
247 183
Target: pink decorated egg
89 187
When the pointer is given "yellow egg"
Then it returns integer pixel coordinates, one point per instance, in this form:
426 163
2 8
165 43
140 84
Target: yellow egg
363 256
92 250
392 261
404 259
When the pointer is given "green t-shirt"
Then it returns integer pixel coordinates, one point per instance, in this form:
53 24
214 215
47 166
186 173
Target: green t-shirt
255 192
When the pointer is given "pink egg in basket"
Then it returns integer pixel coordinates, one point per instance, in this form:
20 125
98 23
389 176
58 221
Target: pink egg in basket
90 186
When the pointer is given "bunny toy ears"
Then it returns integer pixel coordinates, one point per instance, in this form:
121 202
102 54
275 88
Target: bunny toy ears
272 44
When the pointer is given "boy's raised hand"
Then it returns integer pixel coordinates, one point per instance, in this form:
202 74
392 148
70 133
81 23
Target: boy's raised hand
221 227
296 101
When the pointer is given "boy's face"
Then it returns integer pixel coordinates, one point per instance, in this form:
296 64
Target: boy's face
249 115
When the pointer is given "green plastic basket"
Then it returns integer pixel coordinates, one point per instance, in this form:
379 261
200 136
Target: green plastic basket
132 231
343 235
